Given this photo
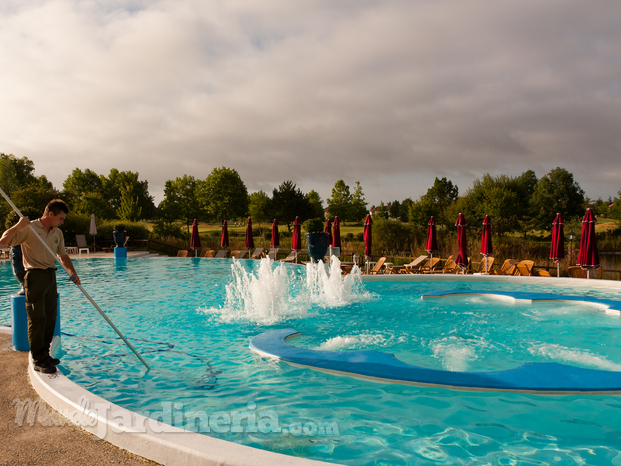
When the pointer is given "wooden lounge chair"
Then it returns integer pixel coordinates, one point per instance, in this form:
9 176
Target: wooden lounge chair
485 267
377 268
415 265
508 268
524 268
257 254
449 267
541 273
292 257
221 254
237 254
207 252
576 272
183 253
430 265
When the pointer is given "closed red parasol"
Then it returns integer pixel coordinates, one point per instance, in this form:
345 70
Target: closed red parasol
588 258
557 249
224 241
368 236
249 240
328 230
336 233
486 240
195 240
432 242
462 257
275 242
296 240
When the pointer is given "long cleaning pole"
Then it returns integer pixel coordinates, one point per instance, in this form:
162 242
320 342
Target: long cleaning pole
17 211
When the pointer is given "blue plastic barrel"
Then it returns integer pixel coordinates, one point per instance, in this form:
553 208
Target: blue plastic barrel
120 252
19 322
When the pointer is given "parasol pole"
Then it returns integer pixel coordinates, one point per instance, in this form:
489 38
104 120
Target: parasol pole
17 211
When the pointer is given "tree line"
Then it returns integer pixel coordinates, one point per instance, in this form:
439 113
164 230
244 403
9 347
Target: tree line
516 204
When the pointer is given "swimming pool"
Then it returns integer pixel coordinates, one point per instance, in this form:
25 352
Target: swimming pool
159 303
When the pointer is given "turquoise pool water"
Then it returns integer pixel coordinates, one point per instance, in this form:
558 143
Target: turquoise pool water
176 314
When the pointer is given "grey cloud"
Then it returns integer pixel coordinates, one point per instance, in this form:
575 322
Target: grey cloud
391 93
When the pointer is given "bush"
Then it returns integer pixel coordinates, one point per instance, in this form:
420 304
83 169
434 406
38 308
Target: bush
390 235
349 237
76 224
360 237
313 225
163 229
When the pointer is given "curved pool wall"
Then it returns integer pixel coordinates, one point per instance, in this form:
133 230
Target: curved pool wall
176 450
539 378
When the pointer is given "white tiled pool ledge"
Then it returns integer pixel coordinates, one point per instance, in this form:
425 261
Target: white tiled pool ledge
146 437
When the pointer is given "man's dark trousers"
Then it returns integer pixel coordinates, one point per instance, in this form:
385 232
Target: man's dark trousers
41 296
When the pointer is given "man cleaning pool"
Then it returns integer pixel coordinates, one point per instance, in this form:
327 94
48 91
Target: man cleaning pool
40 279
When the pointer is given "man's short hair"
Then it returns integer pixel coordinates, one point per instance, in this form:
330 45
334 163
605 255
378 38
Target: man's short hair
56 206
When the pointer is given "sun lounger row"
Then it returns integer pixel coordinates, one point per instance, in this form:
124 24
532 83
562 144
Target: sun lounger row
426 265
258 253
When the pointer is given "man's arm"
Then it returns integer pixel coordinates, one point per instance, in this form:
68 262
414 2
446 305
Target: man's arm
66 260
8 235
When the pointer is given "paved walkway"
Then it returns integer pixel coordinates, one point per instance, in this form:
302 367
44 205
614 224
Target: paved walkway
34 443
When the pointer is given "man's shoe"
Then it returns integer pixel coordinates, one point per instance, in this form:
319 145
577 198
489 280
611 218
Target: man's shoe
45 368
54 361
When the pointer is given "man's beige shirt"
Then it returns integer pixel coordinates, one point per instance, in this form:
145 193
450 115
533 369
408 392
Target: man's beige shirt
36 256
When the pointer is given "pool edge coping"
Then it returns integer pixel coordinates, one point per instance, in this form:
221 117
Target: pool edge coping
172 446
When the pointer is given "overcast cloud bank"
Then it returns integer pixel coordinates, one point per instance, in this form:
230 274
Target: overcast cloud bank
391 93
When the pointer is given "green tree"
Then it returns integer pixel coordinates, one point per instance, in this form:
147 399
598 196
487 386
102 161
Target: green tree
495 197
223 195
288 201
94 203
130 208
32 198
113 185
259 207
614 208
405 209
80 184
419 213
340 203
381 211
316 204
436 202
556 192
395 210
358 205
442 195
181 201
15 173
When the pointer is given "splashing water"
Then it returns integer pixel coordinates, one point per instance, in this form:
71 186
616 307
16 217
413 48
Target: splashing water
333 289
276 293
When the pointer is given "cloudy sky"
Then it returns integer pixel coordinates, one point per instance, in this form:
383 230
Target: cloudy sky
392 93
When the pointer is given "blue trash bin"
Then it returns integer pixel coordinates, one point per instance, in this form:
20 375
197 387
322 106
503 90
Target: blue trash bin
120 252
19 322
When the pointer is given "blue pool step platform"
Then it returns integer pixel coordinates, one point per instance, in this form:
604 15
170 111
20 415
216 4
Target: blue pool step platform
612 306
541 378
